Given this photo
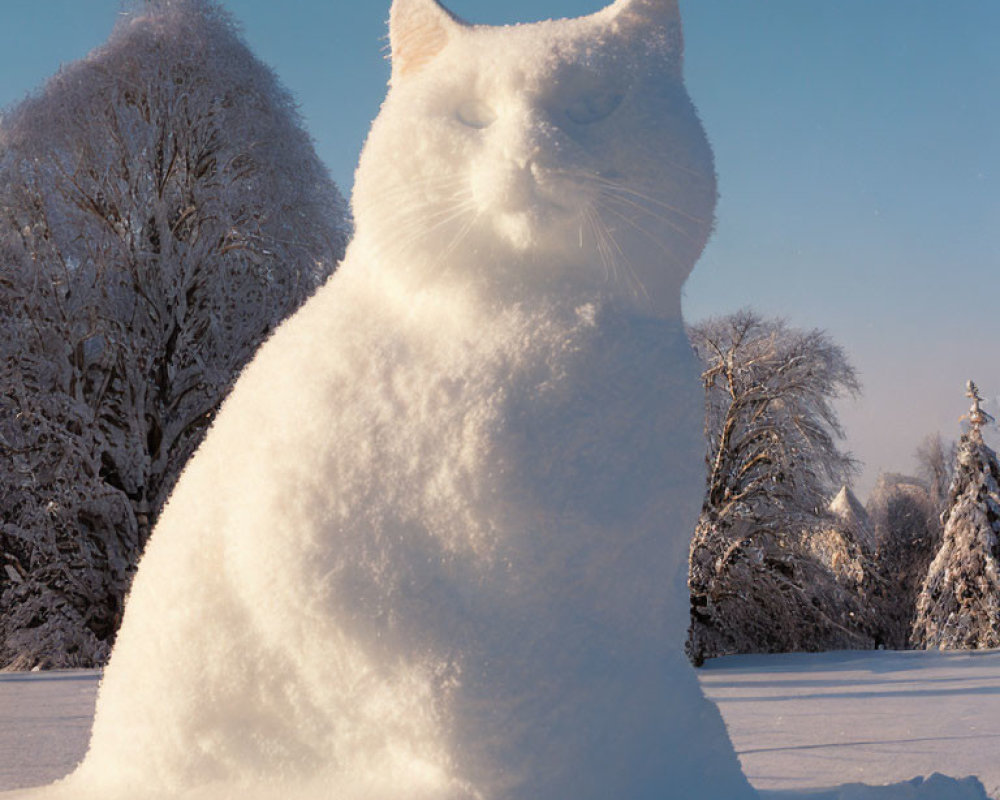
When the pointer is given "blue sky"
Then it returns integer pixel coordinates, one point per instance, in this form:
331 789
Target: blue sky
857 145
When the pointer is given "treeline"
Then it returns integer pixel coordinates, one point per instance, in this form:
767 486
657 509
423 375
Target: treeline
782 561
161 211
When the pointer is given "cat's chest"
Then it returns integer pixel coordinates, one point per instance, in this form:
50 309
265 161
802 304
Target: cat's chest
544 409
468 425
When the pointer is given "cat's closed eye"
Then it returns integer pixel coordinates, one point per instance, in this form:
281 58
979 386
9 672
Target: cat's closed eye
475 114
593 106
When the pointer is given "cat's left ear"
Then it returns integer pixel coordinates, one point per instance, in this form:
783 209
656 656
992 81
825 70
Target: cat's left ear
418 31
659 20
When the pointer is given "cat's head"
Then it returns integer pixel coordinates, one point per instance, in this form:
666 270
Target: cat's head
527 156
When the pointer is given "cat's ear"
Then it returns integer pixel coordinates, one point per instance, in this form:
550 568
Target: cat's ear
648 12
658 20
418 31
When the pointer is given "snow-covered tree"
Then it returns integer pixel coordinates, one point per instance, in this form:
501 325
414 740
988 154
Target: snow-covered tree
907 528
959 602
936 467
161 211
849 510
757 583
770 422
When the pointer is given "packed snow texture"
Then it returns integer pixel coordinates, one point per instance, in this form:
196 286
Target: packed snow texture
799 722
435 544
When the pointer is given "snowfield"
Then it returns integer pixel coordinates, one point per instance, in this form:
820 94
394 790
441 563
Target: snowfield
808 720
799 722
45 722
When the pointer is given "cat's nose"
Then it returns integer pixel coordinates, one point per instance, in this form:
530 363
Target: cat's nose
527 136
526 162
523 150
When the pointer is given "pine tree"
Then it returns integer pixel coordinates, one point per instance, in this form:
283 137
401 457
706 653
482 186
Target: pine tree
959 602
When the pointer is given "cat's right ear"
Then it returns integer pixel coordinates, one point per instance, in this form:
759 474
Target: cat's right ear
418 31
658 21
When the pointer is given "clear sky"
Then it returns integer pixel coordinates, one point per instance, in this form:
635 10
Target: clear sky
857 145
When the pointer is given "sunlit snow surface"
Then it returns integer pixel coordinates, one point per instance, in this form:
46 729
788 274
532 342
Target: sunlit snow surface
45 720
811 720
798 721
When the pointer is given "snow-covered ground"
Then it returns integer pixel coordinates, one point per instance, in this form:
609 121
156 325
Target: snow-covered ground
798 721
44 724
817 720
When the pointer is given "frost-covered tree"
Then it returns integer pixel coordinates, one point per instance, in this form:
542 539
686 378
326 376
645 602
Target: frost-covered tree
851 513
771 427
907 527
905 514
757 583
161 211
936 467
959 602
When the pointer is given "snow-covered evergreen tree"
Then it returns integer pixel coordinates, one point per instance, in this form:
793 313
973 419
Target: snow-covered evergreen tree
959 602
161 211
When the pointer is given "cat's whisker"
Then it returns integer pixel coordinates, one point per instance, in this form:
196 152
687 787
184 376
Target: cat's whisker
629 202
459 237
407 218
694 172
443 213
630 221
425 183
637 199
600 239
424 226
411 215
402 208
630 271
588 220
659 159
664 248
607 251
449 215
433 196
614 186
